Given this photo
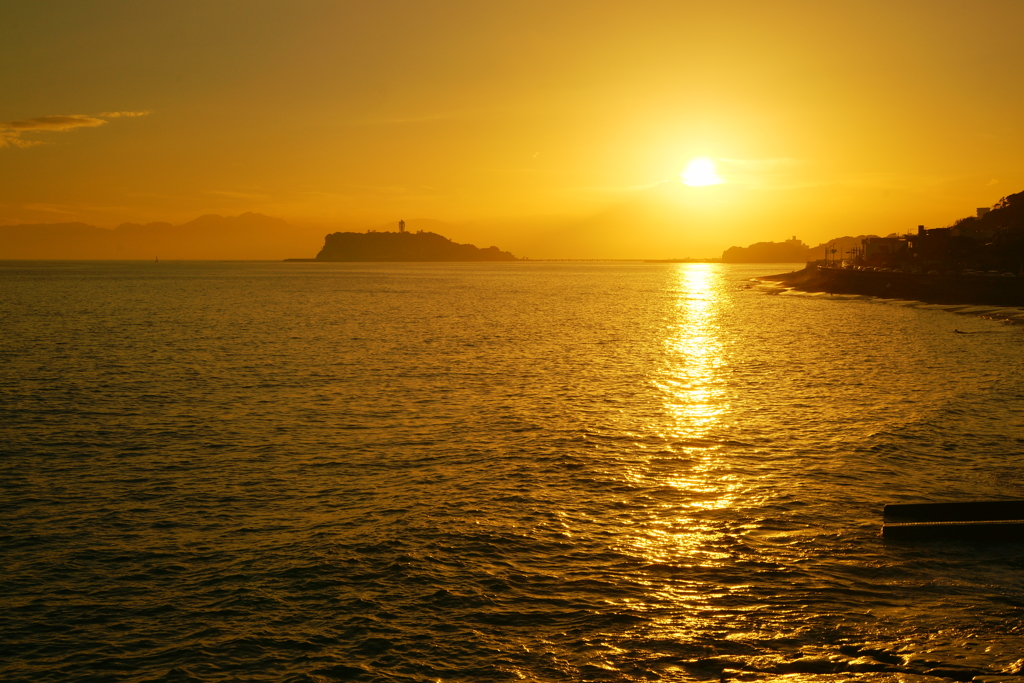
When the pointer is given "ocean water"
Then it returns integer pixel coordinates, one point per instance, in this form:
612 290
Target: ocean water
493 472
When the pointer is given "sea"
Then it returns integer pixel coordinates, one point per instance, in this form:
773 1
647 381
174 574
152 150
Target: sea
528 471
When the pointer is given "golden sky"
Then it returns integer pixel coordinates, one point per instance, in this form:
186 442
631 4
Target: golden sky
552 128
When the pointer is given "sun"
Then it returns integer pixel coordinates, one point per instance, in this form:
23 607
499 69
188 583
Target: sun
701 171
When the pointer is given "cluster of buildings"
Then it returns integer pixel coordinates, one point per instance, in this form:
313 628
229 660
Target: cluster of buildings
973 243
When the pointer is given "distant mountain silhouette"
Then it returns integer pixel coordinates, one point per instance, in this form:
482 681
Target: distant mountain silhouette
666 220
403 246
56 241
790 251
647 225
248 236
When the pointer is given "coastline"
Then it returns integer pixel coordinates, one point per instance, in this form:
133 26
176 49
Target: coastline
953 295
966 290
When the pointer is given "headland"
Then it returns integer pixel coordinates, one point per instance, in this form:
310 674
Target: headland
978 260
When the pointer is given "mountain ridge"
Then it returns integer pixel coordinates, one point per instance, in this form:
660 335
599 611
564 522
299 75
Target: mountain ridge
248 236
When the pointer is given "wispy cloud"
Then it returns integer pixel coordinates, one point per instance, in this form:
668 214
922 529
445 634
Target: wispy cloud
774 173
13 139
53 208
427 117
235 194
53 123
12 132
606 190
901 182
762 164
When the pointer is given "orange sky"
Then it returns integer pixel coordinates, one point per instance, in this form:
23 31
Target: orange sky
548 128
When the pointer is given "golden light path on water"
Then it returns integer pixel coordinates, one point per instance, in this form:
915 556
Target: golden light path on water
693 346
695 408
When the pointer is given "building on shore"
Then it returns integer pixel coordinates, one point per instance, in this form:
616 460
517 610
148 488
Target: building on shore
992 240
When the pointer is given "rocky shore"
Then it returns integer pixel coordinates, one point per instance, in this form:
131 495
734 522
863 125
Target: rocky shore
966 289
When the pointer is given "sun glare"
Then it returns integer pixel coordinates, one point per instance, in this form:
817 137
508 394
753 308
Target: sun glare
701 171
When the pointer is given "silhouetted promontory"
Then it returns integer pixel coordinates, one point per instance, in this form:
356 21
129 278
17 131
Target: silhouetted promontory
403 246
978 260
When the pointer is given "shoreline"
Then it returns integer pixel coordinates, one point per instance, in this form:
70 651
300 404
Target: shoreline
961 290
980 295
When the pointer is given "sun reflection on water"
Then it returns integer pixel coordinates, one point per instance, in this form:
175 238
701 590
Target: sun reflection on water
694 347
696 409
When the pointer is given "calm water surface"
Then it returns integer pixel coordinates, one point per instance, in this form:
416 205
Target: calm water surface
490 472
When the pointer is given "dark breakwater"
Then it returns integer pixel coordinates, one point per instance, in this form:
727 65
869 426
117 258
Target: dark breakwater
972 289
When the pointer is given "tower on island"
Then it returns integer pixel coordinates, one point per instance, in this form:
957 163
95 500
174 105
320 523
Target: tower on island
401 226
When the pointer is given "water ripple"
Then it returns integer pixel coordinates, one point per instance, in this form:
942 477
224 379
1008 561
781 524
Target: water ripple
489 472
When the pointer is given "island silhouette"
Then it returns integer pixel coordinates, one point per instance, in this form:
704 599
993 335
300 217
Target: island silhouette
402 246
